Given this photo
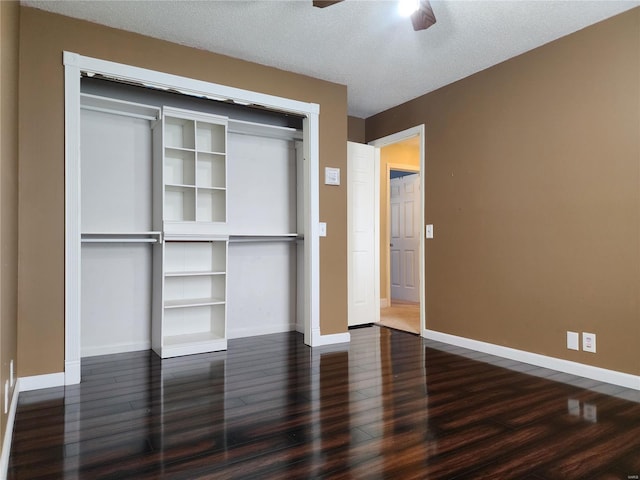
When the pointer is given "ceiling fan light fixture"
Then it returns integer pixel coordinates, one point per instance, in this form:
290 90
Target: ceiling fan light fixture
407 7
423 17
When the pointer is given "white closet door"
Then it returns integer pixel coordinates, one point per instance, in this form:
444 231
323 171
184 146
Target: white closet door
116 282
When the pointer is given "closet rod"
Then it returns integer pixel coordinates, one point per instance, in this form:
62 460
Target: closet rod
119 112
113 106
263 239
119 240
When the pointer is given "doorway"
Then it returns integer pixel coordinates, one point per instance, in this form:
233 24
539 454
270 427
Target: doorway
401 270
403 310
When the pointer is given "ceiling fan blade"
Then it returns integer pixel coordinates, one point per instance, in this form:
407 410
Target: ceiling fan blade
423 18
325 3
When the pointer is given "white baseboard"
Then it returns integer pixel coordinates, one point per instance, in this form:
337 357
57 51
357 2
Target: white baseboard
588 371
117 348
331 339
8 432
384 302
36 382
255 330
72 372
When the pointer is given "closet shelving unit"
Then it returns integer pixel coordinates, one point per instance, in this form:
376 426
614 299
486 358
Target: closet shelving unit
191 209
189 230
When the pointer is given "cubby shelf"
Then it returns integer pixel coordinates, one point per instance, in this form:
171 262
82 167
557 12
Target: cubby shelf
192 274
192 338
193 147
193 312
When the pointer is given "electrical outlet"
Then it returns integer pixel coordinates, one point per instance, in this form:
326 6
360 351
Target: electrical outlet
322 230
11 373
589 342
573 341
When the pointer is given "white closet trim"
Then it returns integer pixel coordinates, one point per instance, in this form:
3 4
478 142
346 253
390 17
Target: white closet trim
74 65
187 86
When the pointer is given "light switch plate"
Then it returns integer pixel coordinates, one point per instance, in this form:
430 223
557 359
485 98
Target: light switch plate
573 341
322 229
429 231
331 176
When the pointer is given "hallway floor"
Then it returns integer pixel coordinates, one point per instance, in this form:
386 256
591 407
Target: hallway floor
401 315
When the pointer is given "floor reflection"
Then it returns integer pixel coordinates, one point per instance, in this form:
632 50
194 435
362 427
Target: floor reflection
387 405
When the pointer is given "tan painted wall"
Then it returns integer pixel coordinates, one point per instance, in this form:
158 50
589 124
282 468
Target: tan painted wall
533 187
401 153
9 24
43 38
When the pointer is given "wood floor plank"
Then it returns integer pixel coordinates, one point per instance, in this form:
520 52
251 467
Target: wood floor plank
387 405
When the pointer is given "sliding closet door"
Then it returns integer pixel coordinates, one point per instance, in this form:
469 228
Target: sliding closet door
116 208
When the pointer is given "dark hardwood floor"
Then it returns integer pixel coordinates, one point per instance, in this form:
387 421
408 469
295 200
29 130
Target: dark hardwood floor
389 405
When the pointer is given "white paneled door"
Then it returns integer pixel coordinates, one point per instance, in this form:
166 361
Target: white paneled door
405 237
361 216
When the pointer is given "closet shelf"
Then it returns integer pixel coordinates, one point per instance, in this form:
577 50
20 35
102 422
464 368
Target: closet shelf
192 274
193 302
180 149
121 237
191 338
287 237
118 107
264 130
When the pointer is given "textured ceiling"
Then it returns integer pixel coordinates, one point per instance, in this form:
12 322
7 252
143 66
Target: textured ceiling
362 44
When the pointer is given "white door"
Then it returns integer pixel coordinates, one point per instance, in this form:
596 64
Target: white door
361 237
405 237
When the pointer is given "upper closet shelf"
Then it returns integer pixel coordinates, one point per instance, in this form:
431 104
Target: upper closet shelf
121 237
264 130
118 107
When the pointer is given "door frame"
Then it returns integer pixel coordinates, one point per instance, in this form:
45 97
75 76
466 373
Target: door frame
74 65
419 131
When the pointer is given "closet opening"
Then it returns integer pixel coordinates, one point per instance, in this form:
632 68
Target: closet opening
192 212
